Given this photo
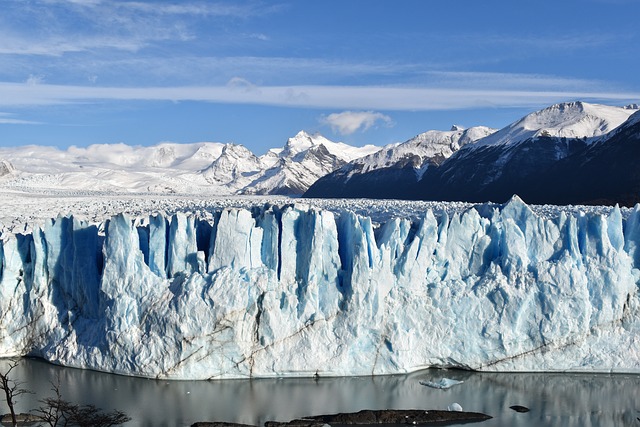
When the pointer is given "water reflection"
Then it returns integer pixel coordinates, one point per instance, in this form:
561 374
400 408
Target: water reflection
554 399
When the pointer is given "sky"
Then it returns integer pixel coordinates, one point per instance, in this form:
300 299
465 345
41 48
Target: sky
81 72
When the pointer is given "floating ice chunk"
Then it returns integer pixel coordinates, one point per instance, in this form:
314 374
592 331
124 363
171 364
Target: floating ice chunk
454 407
443 384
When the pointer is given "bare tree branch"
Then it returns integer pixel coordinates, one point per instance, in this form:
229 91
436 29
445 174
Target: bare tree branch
12 389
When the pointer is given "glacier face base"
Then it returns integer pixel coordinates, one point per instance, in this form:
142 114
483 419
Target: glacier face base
298 291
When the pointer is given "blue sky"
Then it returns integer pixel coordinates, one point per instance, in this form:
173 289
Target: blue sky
78 72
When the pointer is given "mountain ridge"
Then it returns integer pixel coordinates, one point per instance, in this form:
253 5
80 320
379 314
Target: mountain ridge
474 164
506 162
203 167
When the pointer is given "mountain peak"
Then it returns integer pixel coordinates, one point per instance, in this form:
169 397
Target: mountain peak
302 134
457 128
236 150
564 120
302 141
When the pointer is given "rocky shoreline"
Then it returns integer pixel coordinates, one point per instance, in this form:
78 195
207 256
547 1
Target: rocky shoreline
372 417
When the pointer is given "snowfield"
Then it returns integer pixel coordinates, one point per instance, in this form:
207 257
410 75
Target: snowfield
188 287
20 211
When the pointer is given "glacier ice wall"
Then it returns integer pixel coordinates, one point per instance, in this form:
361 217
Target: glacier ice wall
279 291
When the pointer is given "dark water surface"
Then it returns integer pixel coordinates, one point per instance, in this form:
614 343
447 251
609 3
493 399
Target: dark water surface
554 399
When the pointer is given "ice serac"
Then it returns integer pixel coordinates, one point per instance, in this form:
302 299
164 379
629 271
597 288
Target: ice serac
296 291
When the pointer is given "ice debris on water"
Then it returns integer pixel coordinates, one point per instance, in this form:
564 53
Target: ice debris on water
443 383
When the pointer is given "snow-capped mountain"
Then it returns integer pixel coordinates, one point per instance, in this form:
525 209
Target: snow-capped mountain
236 167
428 148
509 161
163 168
302 142
565 120
403 164
516 159
303 160
203 168
605 172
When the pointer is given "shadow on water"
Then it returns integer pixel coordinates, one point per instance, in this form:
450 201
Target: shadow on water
554 399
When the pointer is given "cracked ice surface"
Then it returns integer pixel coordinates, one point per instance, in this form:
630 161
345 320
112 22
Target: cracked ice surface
298 290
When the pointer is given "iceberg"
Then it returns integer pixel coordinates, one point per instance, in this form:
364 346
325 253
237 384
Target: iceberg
293 290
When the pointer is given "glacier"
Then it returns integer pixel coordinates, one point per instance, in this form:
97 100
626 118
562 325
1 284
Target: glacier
294 290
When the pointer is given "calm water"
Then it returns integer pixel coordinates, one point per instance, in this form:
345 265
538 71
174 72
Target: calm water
554 399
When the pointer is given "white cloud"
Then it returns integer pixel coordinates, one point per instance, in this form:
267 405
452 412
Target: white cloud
364 98
349 122
241 84
35 79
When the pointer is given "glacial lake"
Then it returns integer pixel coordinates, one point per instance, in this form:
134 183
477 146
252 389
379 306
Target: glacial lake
555 399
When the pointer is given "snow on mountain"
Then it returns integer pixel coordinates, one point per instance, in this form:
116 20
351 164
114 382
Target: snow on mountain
210 168
291 290
235 168
429 147
396 167
163 155
585 169
292 176
635 118
271 157
303 142
495 167
302 161
163 168
565 120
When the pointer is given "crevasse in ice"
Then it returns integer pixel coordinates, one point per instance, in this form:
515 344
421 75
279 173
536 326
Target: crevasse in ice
296 291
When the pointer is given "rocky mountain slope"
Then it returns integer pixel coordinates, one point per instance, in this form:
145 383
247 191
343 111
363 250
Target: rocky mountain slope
517 159
396 168
540 164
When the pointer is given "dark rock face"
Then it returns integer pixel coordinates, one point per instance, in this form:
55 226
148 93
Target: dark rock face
388 183
496 173
604 173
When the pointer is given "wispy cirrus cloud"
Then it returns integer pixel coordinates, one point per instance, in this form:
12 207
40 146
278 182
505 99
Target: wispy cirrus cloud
560 41
518 81
57 46
305 96
189 69
8 119
348 122
57 27
201 8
